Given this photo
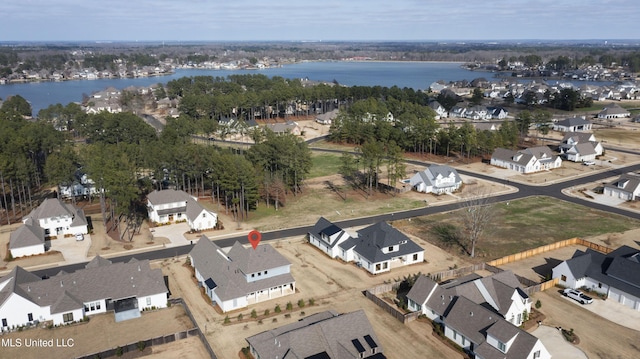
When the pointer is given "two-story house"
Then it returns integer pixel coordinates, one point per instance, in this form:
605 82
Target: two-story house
170 205
580 146
57 218
438 179
243 276
327 236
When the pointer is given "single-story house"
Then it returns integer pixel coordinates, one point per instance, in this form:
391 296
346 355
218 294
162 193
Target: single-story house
616 275
171 205
287 127
57 218
613 110
126 288
572 124
243 276
626 187
318 336
529 160
438 179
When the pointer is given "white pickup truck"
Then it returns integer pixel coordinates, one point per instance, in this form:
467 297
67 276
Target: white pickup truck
577 295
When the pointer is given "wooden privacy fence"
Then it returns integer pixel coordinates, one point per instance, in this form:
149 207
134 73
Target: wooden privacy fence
372 295
541 287
546 248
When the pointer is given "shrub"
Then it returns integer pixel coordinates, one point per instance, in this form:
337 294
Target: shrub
289 306
227 320
254 314
119 351
266 312
287 315
538 304
301 303
240 317
277 309
141 345
312 302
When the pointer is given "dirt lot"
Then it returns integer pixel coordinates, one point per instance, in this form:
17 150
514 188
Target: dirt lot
101 332
333 286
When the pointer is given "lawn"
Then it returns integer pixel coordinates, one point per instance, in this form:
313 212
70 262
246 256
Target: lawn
324 164
525 224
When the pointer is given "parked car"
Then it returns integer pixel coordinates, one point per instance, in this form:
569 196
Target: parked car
589 163
577 296
79 237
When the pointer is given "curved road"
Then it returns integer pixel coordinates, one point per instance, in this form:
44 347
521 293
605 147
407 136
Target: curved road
524 190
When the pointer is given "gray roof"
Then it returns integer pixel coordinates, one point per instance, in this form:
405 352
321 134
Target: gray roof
325 335
17 276
577 137
167 196
572 121
228 270
504 154
470 319
619 269
26 235
54 207
585 148
627 182
505 331
432 172
114 281
421 289
194 209
371 240
614 109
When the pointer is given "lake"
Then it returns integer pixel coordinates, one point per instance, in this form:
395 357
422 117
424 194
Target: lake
416 75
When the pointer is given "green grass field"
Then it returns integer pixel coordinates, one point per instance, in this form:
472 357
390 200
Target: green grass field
526 224
324 164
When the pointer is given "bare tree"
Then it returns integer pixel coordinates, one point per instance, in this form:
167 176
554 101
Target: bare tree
477 213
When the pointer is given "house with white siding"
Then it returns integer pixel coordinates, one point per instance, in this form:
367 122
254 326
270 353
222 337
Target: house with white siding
242 276
102 286
572 124
437 179
480 314
626 187
580 147
616 274
533 159
171 205
327 237
57 218
27 240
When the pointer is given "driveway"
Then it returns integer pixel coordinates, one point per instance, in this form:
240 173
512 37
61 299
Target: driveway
72 250
174 232
555 343
612 311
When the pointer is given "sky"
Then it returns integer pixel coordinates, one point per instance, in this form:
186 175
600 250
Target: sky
317 20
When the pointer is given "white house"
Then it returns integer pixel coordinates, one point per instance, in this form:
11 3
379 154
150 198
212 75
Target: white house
530 160
613 110
57 218
440 111
626 187
125 288
380 247
27 240
616 275
243 276
572 124
438 179
326 236
580 147
481 315
170 205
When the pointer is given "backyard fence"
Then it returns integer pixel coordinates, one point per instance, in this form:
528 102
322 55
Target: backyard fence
404 318
140 345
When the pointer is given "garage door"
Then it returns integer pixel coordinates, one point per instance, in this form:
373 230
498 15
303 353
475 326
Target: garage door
614 295
629 301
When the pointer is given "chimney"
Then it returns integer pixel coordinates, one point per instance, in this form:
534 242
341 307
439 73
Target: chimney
61 284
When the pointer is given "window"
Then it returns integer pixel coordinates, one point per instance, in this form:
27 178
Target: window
455 335
30 316
4 322
253 275
148 300
599 285
502 347
204 215
519 318
415 257
67 317
390 249
265 272
563 278
536 354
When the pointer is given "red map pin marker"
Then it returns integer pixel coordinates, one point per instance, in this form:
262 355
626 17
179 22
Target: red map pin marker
254 238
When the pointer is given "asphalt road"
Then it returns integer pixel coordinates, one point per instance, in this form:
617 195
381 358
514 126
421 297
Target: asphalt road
524 190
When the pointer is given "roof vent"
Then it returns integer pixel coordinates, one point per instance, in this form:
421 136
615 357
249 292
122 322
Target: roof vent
61 284
471 314
28 288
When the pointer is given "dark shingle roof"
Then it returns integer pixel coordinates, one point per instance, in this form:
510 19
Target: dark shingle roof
371 240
